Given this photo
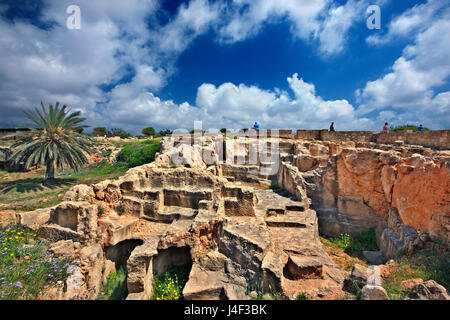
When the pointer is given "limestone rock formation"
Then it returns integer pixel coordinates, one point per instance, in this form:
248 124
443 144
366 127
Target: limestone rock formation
371 292
429 290
206 205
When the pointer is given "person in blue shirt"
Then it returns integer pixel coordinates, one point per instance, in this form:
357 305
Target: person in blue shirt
420 128
256 126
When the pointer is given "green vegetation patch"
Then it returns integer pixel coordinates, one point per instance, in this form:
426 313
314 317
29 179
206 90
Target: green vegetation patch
302 296
425 264
116 285
7 143
407 127
169 286
26 191
26 266
365 241
138 153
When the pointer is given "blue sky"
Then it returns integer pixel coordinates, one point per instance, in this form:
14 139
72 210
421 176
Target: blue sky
287 64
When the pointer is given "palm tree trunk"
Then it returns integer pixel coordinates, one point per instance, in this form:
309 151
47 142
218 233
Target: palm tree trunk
50 173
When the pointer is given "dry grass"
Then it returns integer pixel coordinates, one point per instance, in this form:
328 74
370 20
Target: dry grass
24 191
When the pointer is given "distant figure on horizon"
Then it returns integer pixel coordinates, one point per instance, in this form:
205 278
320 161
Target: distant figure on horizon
420 128
385 128
256 126
332 127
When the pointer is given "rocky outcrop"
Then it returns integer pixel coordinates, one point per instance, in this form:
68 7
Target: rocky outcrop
362 188
215 218
429 290
424 211
371 292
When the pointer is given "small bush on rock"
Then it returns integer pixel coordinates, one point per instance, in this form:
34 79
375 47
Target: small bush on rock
138 153
169 286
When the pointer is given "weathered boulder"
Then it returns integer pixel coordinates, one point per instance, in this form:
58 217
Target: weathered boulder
410 283
371 292
298 267
306 162
204 284
75 285
374 257
245 244
429 290
79 192
391 246
140 268
92 263
360 274
62 247
34 219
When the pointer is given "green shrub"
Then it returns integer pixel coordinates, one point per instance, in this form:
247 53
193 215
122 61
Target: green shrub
118 132
407 127
149 131
139 153
119 209
116 285
364 241
169 286
106 153
302 296
343 241
426 264
212 244
166 132
355 289
101 131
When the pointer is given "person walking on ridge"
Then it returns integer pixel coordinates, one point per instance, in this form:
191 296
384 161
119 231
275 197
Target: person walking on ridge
385 128
332 127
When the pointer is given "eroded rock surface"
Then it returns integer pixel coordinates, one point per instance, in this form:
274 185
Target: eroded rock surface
237 235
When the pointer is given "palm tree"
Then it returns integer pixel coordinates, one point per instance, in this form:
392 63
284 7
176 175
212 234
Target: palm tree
55 139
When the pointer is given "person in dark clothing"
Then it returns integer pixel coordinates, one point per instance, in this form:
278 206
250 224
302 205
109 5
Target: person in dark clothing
420 128
332 127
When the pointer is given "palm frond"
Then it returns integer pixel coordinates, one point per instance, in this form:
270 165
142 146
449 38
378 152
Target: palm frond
55 137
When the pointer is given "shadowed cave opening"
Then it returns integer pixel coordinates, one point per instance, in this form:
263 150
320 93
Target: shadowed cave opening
120 252
173 262
172 257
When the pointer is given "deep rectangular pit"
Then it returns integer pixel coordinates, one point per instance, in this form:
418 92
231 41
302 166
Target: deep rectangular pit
171 257
185 198
295 208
